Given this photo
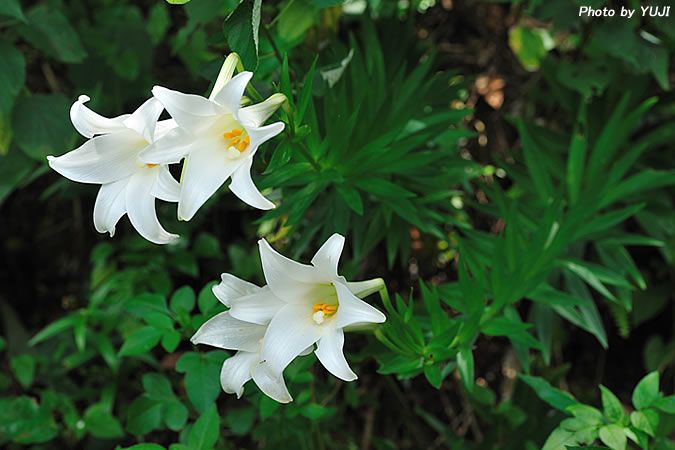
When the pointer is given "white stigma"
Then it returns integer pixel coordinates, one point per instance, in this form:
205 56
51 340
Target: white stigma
318 317
232 153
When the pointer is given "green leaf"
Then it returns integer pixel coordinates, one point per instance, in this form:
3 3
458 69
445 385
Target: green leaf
267 407
585 413
351 197
140 341
50 31
144 446
240 420
24 369
554 397
183 300
613 436
611 406
666 404
530 45
465 366
12 74
143 415
171 340
53 329
12 8
24 421
146 303
157 387
200 373
433 374
177 2
577 155
646 393
42 126
646 420
314 411
175 415
204 433
535 163
241 32
207 300
158 22
325 3
158 320
101 423
558 438
296 19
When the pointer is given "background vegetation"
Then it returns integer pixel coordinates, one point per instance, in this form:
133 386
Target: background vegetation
506 167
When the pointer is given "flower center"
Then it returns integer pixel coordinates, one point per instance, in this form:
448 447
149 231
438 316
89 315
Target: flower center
321 311
236 140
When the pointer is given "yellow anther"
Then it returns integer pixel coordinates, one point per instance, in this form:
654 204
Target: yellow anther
244 144
235 141
152 165
236 132
326 308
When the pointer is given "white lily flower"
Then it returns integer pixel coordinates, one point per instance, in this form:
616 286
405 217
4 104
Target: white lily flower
316 305
218 139
224 331
128 186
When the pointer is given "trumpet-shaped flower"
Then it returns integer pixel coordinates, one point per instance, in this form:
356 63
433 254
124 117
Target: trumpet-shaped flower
308 304
218 139
110 158
224 331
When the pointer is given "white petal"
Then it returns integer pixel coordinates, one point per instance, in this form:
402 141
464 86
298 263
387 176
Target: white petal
273 387
258 308
88 123
224 331
261 135
329 352
144 120
204 172
291 281
190 111
166 187
230 95
170 147
164 126
353 310
236 371
364 288
242 186
225 74
110 206
289 333
231 288
256 115
327 257
101 160
141 207
307 351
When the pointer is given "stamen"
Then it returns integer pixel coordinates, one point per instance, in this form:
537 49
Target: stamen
244 144
235 141
152 165
326 308
234 133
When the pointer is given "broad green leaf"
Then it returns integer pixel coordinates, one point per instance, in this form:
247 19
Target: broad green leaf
433 375
157 387
400 364
143 415
12 8
171 340
183 299
646 420
158 22
241 31
558 438
146 303
613 436
204 433
530 45
158 320
24 421
296 19
50 31
267 407
240 420
555 397
646 393
611 406
101 423
501 326
24 369
177 2
466 368
200 373
140 341
42 126
12 73
666 404
175 415
585 413
207 300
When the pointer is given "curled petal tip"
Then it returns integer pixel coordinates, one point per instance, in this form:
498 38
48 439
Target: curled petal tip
83 98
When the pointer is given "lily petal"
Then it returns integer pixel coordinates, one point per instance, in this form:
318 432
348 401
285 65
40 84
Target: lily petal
327 257
166 187
242 186
101 160
259 307
231 288
230 95
289 280
236 371
144 120
273 387
353 310
170 147
256 115
205 171
225 74
190 111
329 351
110 206
88 123
289 333
141 207
224 331
261 135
